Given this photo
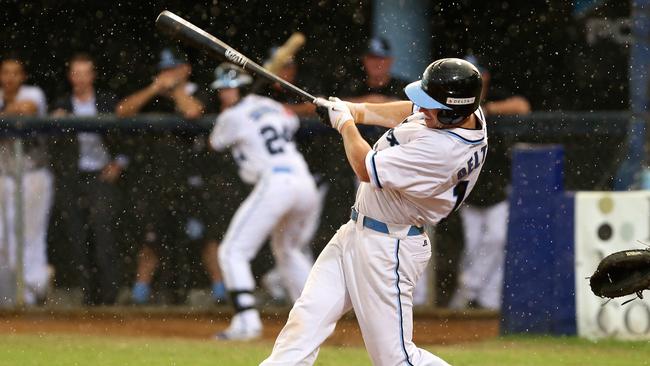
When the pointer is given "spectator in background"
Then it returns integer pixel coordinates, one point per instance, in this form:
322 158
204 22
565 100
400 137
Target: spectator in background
485 211
497 100
160 182
377 84
89 193
207 206
171 91
18 99
289 72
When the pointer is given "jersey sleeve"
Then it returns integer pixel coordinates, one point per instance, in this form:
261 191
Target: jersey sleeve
414 168
225 132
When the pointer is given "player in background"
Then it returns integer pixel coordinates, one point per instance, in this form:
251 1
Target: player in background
417 173
485 213
160 188
259 132
377 85
20 99
289 71
88 170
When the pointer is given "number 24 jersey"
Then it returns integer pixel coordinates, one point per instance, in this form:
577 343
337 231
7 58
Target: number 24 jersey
259 131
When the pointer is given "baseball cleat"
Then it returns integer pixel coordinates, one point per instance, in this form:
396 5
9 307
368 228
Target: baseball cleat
232 334
218 293
140 293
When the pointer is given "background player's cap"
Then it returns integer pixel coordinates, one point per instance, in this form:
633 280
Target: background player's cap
420 98
171 58
379 47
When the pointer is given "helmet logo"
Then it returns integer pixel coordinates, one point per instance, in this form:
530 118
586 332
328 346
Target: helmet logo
460 101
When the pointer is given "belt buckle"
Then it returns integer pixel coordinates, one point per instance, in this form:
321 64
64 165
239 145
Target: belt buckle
354 215
359 219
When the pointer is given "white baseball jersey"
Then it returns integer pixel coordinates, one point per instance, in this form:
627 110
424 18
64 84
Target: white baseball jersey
259 132
410 181
418 175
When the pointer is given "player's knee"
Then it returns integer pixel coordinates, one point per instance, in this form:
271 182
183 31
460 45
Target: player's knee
228 254
288 255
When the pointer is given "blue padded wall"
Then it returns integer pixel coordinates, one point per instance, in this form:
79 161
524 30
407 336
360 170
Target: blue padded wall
539 270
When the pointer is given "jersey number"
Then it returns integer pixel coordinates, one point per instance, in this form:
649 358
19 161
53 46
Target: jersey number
275 140
459 192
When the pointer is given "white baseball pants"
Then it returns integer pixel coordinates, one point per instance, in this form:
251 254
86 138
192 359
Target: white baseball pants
280 206
481 267
372 273
37 204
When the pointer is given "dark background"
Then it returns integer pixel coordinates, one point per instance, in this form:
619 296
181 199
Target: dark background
536 48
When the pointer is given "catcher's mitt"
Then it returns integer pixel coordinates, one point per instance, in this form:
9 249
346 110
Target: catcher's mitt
622 273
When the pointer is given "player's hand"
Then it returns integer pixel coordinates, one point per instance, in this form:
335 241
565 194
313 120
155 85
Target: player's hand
321 109
165 81
111 172
337 111
59 112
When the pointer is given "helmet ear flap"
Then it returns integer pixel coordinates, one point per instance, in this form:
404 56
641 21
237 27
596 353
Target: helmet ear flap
450 117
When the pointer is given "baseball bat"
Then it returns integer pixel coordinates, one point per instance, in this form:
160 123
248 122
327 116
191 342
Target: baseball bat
185 31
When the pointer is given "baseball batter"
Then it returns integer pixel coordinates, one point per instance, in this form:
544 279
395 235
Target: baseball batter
259 131
418 172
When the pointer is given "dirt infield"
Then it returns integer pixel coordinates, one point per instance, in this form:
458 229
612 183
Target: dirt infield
430 328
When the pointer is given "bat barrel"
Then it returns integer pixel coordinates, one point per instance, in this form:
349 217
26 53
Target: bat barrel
181 29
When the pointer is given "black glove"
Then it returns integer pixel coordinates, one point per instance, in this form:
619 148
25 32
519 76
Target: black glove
622 273
321 110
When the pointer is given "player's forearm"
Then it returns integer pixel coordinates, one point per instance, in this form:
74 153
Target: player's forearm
512 105
386 115
132 104
189 106
356 149
23 108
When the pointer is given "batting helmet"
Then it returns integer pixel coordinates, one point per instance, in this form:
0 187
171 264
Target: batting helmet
451 85
228 75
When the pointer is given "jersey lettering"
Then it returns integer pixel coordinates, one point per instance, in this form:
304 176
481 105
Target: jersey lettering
275 140
390 136
459 192
472 163
261 111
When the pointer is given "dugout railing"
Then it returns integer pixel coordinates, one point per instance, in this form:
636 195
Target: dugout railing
594 143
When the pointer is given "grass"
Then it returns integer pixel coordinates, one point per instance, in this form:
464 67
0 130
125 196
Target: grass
82 350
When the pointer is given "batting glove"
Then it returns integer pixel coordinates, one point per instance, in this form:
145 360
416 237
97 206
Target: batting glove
337 111
321 109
